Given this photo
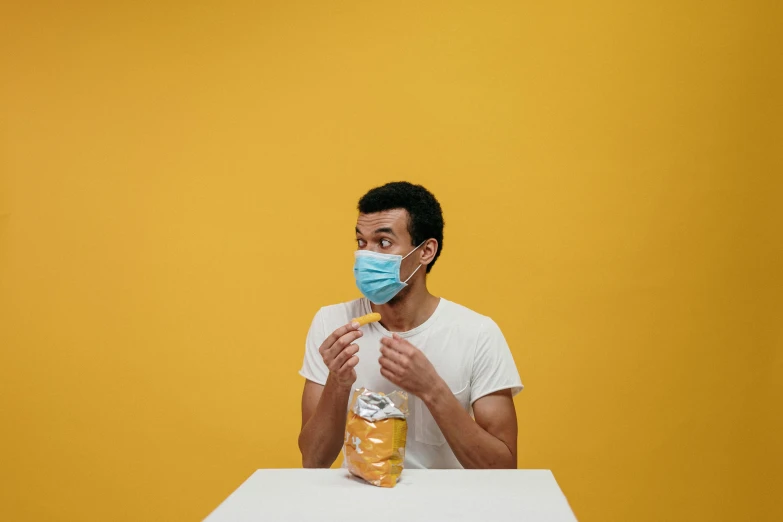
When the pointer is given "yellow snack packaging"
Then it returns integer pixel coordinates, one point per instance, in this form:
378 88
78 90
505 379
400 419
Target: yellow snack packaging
375 434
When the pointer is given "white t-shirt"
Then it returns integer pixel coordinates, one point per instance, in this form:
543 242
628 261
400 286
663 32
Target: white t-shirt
467 350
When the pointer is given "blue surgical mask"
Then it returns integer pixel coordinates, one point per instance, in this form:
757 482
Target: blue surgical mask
378 275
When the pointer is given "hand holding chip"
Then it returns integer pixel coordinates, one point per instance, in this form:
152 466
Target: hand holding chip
339 350
339 354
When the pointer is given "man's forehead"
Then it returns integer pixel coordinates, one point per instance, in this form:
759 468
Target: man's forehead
396 219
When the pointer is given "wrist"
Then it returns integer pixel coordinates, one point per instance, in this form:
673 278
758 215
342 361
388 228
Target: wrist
340 386
437 389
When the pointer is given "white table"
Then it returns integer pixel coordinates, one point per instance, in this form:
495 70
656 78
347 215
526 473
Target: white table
332 495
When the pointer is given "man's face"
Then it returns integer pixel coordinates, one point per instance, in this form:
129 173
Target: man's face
384 232
387 233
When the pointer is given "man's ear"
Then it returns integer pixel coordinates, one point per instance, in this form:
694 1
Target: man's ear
428 251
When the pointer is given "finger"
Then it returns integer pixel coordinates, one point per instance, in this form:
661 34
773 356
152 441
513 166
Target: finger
391 365
329 341
343 356
389 342
403 344
350 363
341 343
390 376
398 345
394 355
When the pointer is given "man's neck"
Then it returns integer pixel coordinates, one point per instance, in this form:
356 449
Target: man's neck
409 311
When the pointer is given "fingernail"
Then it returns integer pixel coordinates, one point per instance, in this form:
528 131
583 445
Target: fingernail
355 324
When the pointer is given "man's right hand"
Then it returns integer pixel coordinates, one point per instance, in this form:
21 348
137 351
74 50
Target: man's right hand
339 354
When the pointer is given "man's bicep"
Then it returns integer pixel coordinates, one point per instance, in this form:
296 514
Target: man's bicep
310 397
495 413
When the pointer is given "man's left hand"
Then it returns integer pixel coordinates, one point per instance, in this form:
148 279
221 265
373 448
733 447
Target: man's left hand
407 367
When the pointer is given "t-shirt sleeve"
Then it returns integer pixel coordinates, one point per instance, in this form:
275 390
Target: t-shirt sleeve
313 367
493 366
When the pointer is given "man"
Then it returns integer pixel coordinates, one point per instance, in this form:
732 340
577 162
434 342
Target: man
450 359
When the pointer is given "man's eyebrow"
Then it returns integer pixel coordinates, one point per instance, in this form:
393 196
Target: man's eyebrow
383 230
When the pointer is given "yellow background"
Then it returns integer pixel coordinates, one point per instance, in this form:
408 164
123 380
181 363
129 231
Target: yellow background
178 183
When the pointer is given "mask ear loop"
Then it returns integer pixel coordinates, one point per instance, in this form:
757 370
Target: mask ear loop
417 268
415 249
409 277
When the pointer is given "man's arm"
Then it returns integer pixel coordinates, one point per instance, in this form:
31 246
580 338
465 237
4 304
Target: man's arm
489 442
324 408
323 423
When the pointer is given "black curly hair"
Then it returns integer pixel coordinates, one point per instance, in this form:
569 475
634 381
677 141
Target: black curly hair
426 216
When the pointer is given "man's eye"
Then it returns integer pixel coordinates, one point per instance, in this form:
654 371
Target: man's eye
385 243
360 242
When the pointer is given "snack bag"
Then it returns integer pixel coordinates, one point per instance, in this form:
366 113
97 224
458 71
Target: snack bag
375 436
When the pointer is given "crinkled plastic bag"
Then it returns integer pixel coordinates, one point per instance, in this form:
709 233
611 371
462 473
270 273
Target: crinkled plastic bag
375 436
